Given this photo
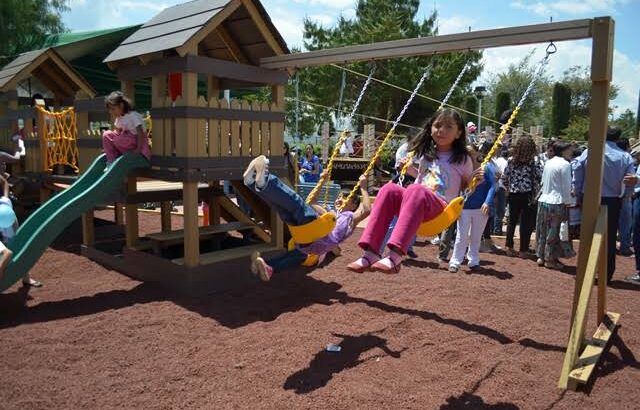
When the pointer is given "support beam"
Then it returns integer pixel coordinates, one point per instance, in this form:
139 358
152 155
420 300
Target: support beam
231 45
601 63
88 229
537 33
191 233
132 215
165 216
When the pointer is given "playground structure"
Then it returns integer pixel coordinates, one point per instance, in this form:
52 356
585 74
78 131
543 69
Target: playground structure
198 140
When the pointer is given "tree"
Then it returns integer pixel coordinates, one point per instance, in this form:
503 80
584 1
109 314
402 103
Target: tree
503 103
578 128
471 106
515 81
561 108
627 123
578 79
383 20
25 24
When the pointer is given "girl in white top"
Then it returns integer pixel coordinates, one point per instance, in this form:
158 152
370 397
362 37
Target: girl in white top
554 198
129 135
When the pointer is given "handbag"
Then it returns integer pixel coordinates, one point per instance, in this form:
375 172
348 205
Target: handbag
564 231
536 187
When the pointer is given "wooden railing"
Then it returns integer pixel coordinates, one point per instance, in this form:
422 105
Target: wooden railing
236 129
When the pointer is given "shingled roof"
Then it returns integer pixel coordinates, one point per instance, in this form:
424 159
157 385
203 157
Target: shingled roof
235 30
51 69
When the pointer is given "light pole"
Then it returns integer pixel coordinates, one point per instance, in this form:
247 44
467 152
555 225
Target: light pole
480 92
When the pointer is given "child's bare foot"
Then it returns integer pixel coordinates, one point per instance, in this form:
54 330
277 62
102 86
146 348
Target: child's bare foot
260 267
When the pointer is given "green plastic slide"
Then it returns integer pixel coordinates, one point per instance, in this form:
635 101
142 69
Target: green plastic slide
50 219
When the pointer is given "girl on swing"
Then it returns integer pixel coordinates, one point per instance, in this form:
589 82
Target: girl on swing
294 211
444 171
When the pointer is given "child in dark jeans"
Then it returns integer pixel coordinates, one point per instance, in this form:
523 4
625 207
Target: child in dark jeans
294 211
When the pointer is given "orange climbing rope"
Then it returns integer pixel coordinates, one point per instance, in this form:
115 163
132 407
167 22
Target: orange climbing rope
60 138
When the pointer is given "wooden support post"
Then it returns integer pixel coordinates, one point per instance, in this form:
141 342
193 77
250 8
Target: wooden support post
186 128
118 214
132 214
165 216
158 98
214 205
601 63
576 335
369 147
128 88
191 232
43 131
324 138
602 273
88 229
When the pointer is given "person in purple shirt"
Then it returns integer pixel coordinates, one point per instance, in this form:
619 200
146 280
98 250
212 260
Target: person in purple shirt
293 210
618 170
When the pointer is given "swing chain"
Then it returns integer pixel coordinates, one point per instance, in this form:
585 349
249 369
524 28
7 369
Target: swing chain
341 139
376 156
551 49
409 158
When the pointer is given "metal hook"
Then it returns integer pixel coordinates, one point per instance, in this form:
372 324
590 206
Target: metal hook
551 48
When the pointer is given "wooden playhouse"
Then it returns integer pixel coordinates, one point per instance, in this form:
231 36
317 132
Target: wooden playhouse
200 139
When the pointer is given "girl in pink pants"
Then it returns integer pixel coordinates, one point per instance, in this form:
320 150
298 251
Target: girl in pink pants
129 134
445 169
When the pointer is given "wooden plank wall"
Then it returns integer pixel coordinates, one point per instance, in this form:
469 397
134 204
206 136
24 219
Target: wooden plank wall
221 138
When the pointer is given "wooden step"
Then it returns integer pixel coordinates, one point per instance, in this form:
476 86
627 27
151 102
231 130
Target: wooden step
229 254
593 350
161 240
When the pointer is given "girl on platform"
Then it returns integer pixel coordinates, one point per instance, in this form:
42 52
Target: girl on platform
129 134
445 168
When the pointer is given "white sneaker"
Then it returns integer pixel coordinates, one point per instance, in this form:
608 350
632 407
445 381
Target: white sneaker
257 172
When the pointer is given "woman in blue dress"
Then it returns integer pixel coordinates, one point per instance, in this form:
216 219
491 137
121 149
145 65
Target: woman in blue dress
310 165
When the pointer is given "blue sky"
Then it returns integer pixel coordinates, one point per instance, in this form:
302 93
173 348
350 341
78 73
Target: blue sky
454 17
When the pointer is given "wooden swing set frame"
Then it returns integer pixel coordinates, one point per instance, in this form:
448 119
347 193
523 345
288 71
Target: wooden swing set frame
581 355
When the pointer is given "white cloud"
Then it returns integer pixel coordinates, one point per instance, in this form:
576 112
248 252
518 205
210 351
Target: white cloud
142 5
334 4
455 24
625 70
571 7
324 19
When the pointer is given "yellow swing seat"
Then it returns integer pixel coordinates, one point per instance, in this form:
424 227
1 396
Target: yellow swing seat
314 230
449 215
311 232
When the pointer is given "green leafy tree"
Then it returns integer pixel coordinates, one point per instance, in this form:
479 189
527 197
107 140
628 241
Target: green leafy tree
515 81
471 106
25 24
627 123
578 79
561 108
376 21
578 129
503 103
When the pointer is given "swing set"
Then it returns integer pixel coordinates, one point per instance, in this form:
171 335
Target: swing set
582 354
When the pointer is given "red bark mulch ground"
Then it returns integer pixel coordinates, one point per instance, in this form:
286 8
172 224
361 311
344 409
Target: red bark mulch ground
422 339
